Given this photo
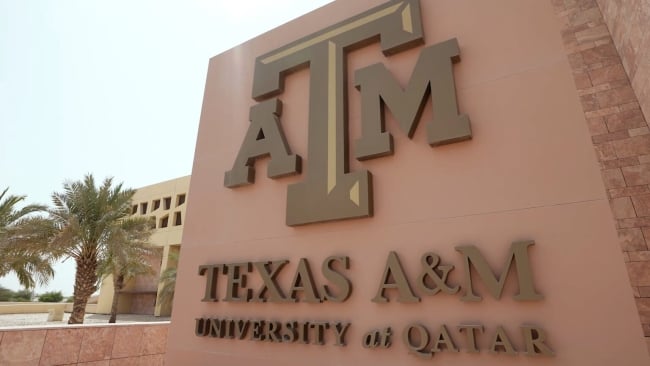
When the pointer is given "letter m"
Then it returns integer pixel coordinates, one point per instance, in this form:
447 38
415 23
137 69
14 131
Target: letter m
433 75
494 283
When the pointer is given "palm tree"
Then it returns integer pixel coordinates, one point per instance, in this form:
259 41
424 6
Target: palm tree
85 216
125 255
21 236
168 280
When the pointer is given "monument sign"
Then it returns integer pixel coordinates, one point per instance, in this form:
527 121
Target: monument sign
400 182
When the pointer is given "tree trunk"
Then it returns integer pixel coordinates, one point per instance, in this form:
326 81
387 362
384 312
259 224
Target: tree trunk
118 283
85 281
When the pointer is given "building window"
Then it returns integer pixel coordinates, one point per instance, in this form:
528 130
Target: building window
177 219
156 205
164 221
180 199
143 208
153 222
167 203
134 210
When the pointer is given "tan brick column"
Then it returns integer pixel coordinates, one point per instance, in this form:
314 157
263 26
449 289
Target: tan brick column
619 133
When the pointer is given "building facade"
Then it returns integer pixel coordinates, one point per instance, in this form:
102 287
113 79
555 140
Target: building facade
165 204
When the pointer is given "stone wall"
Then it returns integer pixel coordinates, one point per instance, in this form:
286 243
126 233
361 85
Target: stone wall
31 307
629 24
616 122
149 282
97 345
143 304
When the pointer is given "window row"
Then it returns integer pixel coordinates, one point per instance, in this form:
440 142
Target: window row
155 204
163 222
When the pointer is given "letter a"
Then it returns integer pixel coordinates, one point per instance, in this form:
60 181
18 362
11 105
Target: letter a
394 278
264 138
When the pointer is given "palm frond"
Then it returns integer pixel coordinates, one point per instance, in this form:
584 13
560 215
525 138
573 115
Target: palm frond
21 238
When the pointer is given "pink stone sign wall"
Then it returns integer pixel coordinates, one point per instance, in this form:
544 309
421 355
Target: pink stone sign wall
91 345
528 175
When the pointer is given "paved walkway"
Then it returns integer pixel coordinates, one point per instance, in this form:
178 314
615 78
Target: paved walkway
18 320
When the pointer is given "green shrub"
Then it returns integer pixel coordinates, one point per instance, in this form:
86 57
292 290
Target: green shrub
5 294
22 296
52 296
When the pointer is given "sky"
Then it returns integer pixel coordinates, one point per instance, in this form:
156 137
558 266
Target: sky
113 88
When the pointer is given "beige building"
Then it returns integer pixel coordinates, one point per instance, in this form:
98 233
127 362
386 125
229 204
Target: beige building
165 204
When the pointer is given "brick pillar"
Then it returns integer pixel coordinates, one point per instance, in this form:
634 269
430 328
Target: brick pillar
628 22
619 133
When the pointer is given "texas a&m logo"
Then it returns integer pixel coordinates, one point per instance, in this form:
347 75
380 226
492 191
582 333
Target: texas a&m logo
330 191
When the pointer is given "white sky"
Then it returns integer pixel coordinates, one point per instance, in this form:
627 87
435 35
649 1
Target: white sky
112 88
